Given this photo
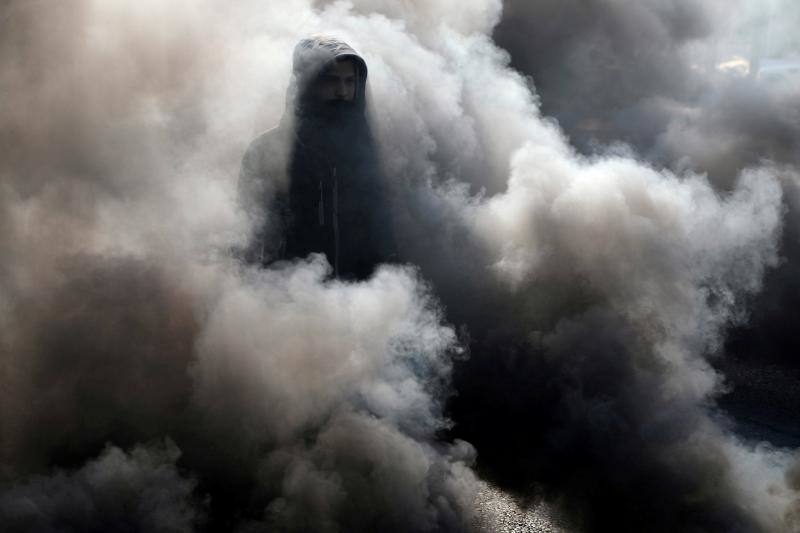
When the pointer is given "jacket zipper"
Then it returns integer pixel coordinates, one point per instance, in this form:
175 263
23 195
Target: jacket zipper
335 223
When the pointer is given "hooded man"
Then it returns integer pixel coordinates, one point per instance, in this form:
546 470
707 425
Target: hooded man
313 183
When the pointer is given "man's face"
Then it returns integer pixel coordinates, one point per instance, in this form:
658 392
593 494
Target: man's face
337 83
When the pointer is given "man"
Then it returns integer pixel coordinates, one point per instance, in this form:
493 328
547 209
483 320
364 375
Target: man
313 183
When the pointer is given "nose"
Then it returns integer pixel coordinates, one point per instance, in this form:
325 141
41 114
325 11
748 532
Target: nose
341 89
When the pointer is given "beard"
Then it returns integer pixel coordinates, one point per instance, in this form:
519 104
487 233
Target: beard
332 126
337 113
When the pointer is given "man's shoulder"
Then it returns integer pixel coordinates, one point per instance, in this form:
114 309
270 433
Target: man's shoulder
269 142
267 154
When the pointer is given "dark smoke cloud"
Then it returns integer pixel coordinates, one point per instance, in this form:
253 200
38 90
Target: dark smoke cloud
698 84
657 76
587 290
663 75
140 491
73 385
576 240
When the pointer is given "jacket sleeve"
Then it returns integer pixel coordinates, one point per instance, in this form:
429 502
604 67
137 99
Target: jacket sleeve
264 203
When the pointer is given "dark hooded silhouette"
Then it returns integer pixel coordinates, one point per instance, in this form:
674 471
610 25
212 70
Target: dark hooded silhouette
314 183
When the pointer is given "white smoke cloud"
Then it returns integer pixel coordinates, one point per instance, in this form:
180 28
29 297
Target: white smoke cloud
344 384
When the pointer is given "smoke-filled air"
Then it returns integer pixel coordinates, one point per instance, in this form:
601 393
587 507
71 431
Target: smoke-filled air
592 209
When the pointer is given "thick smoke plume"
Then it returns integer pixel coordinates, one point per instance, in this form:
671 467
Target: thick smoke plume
548 326
691 84
140 491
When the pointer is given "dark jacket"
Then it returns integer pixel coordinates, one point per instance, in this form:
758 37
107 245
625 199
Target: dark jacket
314 183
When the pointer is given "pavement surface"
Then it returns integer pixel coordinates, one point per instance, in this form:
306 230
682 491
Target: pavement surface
763 402
496 511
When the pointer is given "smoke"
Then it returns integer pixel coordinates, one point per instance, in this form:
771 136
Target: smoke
700 85
587 290
663 75
140 491
298 403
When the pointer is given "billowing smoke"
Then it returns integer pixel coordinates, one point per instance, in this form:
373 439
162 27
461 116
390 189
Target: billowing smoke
140 491
691 84
696 83
548 325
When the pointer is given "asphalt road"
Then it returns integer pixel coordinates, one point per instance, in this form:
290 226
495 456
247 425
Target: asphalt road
497 512
763 402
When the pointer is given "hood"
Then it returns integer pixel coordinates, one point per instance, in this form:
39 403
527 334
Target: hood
311 56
